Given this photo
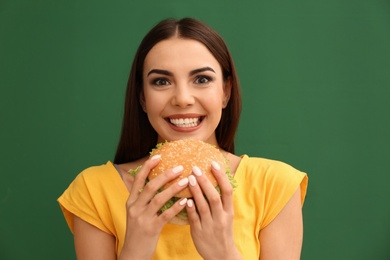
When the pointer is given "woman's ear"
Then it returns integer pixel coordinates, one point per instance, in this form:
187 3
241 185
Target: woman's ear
142 102
227 89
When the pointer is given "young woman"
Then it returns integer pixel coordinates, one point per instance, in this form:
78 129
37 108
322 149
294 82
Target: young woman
183 84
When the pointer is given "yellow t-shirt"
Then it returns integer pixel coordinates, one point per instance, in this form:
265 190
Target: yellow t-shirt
98 196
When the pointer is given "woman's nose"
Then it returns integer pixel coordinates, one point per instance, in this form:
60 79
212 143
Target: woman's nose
183 96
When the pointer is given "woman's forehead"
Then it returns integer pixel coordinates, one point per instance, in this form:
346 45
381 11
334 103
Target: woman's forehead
181 53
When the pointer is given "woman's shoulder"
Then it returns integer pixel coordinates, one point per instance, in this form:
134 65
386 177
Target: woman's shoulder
265 170
98 178
271 175
95 175
95 170
108 167
265 164
127 167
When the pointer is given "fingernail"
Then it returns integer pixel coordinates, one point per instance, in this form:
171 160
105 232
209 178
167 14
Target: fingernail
215 165
190 203
156 157
183 182
183 201
197 171
177 169
192 180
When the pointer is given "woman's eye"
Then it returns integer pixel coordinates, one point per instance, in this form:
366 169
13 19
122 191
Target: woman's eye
160 82
202 80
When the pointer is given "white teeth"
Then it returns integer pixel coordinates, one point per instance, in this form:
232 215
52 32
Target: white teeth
185 122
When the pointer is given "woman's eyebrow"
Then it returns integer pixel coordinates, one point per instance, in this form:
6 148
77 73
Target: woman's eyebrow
168 73
157 71
196 71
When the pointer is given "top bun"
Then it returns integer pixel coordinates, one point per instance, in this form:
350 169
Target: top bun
188 153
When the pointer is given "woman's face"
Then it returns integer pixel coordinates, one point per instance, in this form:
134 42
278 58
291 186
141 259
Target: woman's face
184 90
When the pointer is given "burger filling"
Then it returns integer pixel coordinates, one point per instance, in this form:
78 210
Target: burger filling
183 213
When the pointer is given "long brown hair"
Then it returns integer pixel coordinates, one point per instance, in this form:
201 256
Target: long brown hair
138 136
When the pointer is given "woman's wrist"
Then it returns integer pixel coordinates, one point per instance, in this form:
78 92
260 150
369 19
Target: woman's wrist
233 254
130 255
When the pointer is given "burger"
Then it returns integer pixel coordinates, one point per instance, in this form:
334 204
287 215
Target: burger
188 153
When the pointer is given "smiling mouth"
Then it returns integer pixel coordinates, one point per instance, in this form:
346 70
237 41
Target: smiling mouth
185 122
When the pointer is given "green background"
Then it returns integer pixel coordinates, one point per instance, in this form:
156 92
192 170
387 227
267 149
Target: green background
315 77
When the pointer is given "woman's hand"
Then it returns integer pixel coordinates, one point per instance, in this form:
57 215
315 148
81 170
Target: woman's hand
211 220
144 223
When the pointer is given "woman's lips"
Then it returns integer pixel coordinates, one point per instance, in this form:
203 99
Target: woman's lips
185 122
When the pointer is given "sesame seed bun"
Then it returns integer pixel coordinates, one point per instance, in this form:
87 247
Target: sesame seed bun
188 153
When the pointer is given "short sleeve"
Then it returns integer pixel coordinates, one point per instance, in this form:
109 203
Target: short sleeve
82 200
281 181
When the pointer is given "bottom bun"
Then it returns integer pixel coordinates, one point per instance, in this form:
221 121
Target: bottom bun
179 221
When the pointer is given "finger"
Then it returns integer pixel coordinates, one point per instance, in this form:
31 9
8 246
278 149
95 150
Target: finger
140 177
198 195
213 197
154 185
161 198
224 185
193 217
170 213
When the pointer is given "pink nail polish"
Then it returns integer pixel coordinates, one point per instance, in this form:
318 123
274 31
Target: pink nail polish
215 165
196 171
183 202
190 203
192 180
177 169
183 182
156 157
